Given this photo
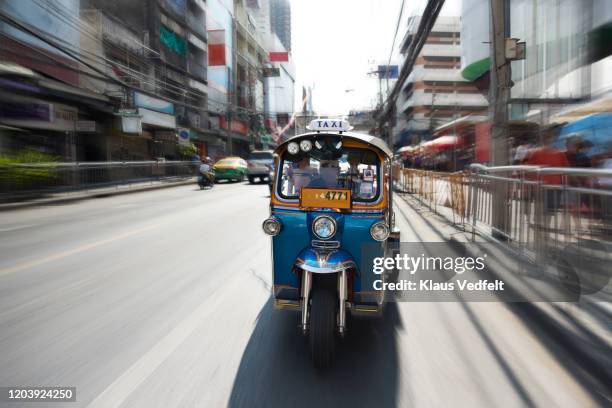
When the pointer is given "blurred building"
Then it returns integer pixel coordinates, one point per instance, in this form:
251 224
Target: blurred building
279 75
566 74
280 19
143 63
362 121
159 50
221 71
568 56
435 92
42 106
123 80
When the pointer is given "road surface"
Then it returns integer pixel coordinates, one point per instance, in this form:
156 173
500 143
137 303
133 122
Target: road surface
161 299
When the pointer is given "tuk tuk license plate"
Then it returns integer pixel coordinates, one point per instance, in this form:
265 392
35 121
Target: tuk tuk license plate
325 198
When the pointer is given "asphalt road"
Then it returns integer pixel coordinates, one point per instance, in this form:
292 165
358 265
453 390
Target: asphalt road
161 299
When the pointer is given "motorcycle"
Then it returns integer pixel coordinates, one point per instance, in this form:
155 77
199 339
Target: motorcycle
206 179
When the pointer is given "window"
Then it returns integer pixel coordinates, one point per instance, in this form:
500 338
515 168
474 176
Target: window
356 169
260 156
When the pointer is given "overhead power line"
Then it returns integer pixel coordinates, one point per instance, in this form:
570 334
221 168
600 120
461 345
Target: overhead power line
78 55
428 19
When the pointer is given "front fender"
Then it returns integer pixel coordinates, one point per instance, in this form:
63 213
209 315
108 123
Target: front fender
324 261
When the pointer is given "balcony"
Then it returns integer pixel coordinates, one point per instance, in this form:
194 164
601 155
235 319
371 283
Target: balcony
196 22
196 68
113 31
441 50
173 6
420 98
196 119
171 57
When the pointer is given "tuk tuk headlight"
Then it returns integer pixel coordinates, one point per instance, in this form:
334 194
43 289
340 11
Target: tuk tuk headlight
293 148
380 231
324 227
272 226
306 145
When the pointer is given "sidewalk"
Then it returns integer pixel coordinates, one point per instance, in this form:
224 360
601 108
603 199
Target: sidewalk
580 329
71 196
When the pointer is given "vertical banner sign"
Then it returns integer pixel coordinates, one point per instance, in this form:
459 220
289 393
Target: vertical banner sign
483 142
216 48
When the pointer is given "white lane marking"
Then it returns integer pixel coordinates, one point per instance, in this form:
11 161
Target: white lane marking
120 389
63 254
18 227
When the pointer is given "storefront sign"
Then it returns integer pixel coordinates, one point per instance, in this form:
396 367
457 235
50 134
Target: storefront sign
37 111
150 117
183 136
131 124
271 72
235 126
39 115
149 102
278 56
165 136
86 126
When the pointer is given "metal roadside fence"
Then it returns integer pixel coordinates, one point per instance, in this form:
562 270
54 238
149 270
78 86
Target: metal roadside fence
544 213
43 178
436 190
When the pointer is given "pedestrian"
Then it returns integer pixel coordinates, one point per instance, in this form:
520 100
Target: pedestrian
576 151
549 156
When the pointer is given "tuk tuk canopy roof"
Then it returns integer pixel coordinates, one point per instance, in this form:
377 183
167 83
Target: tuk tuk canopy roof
368 139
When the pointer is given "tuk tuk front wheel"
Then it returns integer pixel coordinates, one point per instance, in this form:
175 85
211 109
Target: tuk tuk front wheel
322 327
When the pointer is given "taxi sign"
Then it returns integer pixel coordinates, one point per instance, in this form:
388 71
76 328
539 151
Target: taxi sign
325 198
334 125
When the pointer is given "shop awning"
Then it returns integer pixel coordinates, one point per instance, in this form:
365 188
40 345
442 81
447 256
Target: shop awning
69 89
406 149
443 142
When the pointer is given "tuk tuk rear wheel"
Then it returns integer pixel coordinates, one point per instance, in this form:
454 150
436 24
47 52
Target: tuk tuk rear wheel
322 327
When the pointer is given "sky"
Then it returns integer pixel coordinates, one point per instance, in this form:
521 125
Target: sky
335 43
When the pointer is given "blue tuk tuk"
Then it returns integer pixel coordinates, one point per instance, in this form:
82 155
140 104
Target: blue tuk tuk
330 215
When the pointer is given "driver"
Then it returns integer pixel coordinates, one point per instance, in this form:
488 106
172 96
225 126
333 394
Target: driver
206 165
328 175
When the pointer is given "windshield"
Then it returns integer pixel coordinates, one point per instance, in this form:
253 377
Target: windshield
261 156
233 162
356 169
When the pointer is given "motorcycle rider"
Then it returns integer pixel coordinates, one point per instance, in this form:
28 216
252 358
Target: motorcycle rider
206 177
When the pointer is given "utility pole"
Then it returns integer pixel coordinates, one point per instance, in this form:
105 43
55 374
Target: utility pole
499 94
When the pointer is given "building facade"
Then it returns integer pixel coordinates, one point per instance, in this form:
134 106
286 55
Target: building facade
124 80
435 92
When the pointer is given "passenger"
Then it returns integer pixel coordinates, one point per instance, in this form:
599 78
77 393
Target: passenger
301 174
